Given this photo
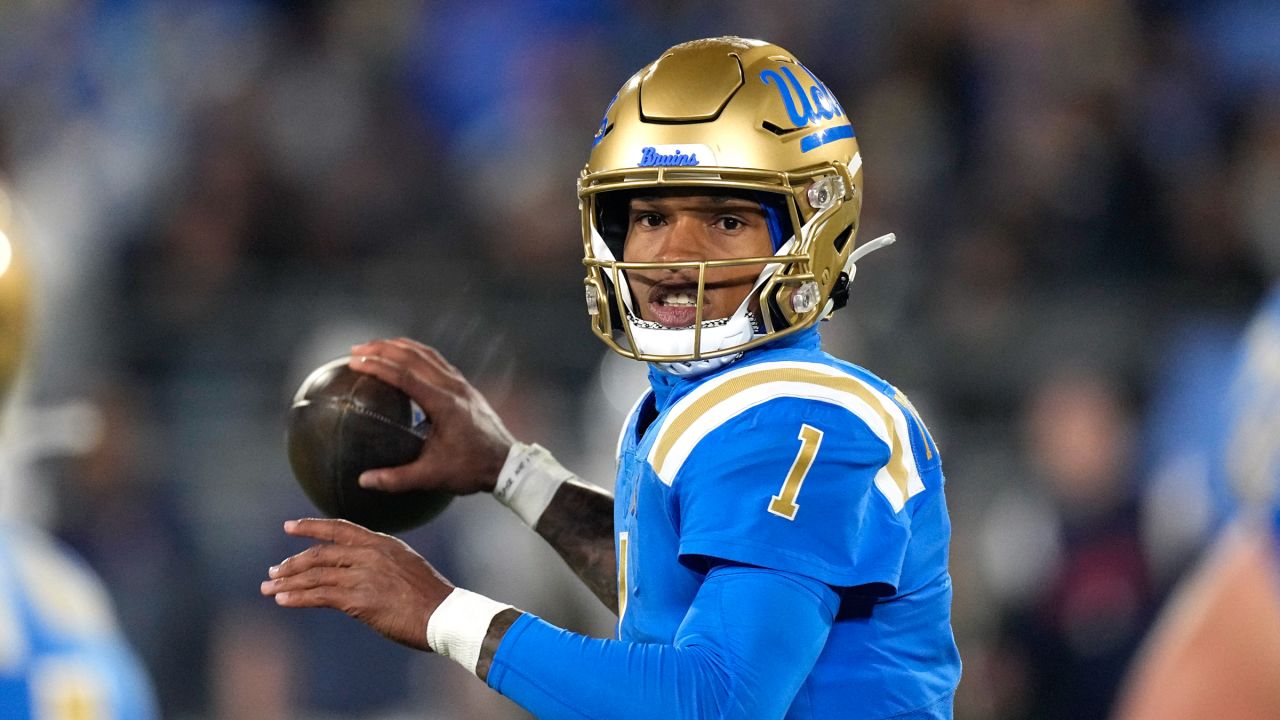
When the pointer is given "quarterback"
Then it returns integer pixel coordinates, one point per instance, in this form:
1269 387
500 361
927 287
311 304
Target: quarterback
777 542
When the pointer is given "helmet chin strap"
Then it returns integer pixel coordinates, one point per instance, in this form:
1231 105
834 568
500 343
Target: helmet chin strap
865 250
736 329
651 338
736 334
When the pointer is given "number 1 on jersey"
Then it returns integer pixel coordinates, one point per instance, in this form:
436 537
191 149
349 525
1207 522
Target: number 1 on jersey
784 503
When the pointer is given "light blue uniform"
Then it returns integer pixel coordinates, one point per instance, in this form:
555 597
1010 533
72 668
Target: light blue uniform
790 491
1253 447
865 515
61 655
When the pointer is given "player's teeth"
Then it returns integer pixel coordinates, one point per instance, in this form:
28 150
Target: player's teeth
678 299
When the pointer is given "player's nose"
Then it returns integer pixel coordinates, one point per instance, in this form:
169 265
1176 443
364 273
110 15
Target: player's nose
684 241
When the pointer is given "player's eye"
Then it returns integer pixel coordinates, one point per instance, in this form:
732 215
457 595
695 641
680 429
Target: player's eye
729 223
648 219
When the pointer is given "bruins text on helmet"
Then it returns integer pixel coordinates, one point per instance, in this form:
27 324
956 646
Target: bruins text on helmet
745 117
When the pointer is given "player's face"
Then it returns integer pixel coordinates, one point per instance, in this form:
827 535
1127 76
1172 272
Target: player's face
676 227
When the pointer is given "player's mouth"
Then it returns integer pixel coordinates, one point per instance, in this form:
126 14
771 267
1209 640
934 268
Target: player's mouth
675 306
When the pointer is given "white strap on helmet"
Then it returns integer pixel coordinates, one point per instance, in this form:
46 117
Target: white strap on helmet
850 265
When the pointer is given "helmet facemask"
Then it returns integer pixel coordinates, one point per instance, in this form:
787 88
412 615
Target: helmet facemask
783 298
706 342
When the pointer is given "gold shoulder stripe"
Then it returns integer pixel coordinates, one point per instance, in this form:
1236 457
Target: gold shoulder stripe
681 423
924 437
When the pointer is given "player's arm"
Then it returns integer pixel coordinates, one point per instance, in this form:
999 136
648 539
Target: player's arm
578 523
471 450
1216 651
748 642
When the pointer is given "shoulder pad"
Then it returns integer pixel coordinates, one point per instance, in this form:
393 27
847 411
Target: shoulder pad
727 396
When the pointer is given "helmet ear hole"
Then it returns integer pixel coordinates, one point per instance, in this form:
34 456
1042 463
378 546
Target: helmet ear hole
842 239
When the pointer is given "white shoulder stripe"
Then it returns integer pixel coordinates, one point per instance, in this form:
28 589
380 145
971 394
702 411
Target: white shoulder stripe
719 400
741 401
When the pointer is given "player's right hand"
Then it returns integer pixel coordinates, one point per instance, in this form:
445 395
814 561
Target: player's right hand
375 578
468 444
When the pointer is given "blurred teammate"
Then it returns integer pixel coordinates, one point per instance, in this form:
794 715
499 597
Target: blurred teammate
1216 652
778 544
61 654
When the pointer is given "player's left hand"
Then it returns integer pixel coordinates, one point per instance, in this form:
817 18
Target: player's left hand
375 578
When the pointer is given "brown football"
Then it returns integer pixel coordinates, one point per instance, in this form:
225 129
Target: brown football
342 423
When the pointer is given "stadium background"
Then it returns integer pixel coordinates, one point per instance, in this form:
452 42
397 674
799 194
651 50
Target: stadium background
220 195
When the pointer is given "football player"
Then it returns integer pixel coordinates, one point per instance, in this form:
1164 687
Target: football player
777 542
61 653
1216 651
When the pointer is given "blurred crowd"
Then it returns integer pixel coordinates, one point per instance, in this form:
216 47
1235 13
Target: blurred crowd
220 195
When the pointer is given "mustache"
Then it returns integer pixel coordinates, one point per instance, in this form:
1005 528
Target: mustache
688 280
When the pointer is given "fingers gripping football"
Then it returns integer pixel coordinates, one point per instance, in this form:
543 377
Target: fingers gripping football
372 577
468 443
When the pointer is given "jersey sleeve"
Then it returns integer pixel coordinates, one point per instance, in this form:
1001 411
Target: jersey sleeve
728 658
802 486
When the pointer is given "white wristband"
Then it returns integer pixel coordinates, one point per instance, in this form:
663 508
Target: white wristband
458 627
529 480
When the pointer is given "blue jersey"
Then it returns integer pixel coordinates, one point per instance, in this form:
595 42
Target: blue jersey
792 460
61 656
1253 448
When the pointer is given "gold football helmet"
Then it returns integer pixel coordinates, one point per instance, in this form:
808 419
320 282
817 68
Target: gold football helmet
743 117
14 298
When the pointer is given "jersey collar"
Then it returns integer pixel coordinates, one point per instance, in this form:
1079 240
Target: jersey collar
668 387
